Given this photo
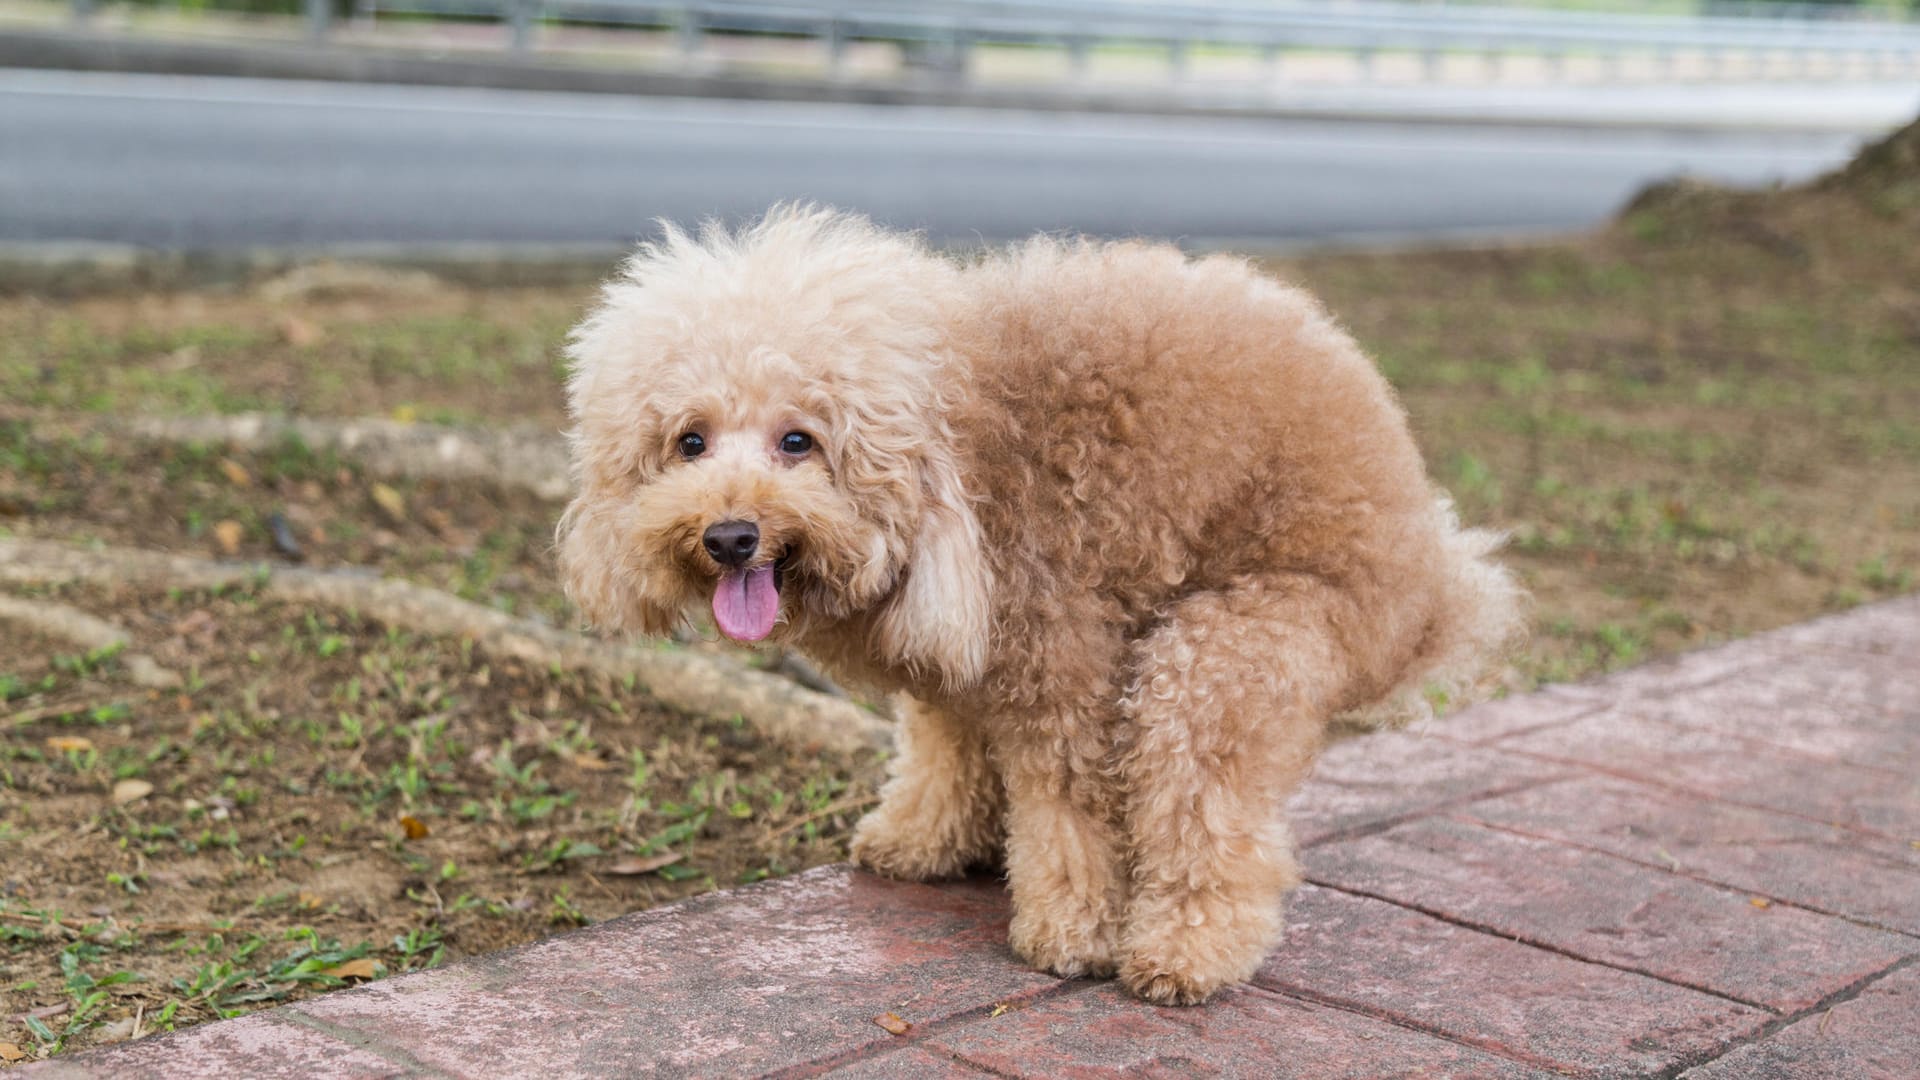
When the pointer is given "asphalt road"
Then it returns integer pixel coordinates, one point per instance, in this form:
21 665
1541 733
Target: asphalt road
204 164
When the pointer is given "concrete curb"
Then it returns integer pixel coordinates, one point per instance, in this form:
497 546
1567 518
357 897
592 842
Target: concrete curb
81 269
66 270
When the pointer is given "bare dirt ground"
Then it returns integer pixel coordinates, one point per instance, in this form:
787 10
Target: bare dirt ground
1702 422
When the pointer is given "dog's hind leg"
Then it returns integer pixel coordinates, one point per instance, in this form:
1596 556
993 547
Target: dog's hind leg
1228 707
941 812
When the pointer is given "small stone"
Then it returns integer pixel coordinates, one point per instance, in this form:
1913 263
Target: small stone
283 539
127 791
149 675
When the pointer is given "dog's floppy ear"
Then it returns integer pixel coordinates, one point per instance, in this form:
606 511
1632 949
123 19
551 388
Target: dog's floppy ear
596 561
941 614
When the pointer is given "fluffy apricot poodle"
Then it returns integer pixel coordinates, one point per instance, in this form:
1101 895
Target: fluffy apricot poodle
1123 529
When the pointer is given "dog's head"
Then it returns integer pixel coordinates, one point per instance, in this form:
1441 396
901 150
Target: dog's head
759 433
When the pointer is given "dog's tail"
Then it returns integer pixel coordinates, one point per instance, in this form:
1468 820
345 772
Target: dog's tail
1479 620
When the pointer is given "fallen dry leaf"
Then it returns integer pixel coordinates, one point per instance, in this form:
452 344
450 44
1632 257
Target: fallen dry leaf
196 623
117 1031
228 534
1761 902
390 502
644 864
300 333
10 1052
127 791
893 1023
415 828
362 968
591 763
60 744
236 473
436 519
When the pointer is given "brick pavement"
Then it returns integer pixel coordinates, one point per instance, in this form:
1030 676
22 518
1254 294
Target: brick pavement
1707 867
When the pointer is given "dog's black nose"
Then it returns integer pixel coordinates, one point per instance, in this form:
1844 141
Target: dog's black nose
731 543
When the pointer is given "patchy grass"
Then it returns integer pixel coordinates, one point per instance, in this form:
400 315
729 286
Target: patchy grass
328 800
1699 424
444 355
1691 436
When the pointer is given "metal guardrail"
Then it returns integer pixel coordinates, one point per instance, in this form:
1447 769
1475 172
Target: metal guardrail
943 33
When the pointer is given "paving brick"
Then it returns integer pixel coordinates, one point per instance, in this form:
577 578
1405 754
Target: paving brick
1865 713
1494 992
1890 628
1875 1036
1100 1032
1670 675
1598 907
911 1062
263 1046
1805 862
1737 769
733 983
1374 778
1493 720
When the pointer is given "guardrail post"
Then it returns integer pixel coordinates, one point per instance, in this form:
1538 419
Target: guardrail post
319 18
835 37
82 12
520 24
1177 59
1270 62
688 33
962 45
1079 55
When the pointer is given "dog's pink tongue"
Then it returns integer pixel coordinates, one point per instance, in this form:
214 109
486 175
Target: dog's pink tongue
745 604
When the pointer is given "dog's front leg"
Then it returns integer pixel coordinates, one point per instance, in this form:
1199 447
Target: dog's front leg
1063 854
941 812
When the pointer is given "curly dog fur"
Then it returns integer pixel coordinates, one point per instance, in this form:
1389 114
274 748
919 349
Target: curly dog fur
1124 528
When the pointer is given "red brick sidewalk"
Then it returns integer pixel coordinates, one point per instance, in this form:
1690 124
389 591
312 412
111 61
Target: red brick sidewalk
1708 866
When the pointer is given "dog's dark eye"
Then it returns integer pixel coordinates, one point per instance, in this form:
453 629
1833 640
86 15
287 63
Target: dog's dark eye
796 443
692 445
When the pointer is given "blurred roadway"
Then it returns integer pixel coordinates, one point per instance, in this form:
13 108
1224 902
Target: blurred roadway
188 163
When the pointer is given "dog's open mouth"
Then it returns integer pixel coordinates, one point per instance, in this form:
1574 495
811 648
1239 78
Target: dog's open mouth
746 603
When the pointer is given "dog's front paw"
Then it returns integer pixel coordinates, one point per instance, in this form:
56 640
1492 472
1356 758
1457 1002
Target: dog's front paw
907 852
1068 944
1150 982
1156 982
1186 959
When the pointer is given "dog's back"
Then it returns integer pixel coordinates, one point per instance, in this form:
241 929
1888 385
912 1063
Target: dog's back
1143 426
